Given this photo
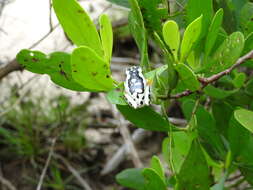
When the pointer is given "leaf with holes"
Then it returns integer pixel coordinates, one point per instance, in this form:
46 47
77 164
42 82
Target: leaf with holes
77 24
227 54
90 70
56 65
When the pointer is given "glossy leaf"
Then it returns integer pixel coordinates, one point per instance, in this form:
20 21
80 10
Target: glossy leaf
157 166
145 118
106 36
77 24
194 173
153 180
191 35
188 78
56 65
245 118
228 53
171 36
213 31
138 31
90 70
131 178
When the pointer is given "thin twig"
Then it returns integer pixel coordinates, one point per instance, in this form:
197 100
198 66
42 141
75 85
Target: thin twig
42 176
14 65
127 138
209 80
7 183
138 136
75 173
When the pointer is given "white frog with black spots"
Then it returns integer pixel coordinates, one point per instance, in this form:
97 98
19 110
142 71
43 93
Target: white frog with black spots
137 91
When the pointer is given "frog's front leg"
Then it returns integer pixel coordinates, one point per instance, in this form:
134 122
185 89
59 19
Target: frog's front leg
131 101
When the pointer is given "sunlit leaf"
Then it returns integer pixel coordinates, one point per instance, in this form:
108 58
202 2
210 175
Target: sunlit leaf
56 65
77 24
191 35
90 70
171 36
106 35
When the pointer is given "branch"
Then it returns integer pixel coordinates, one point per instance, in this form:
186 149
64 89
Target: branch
211 79
14 65
75 173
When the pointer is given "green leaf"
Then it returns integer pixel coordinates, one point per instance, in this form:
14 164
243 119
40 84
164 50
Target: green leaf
56 65
208 133
245 18
123 3
153 180
180 148
249 87
138 31
194 173
241 145
116 97
191 35
153 13
188 78
222 113
90 70
196 8
227 54
131 178
145 118
213 31
239 80
77 24
171 36
106 35
157 166
218 93
245 118
166 150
